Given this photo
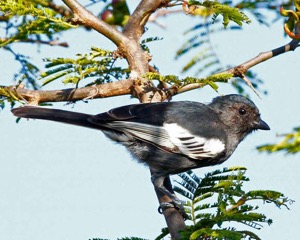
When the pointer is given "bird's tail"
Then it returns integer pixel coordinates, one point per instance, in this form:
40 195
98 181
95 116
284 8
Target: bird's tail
57 115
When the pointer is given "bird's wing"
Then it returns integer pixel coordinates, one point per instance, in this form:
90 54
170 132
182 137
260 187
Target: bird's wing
145 132
172 138
196 147
143 112
187 128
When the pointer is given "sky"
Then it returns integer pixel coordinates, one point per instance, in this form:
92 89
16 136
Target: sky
64 182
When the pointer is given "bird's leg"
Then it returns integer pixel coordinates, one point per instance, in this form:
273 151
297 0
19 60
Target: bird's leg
168 184
162 184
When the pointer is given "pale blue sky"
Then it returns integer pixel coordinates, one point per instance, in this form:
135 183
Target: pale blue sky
64 182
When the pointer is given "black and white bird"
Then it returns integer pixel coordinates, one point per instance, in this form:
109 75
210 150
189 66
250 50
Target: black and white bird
169 137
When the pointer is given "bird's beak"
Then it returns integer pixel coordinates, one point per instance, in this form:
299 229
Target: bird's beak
262 125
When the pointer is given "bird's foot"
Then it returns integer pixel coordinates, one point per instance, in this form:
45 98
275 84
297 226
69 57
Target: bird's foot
177 204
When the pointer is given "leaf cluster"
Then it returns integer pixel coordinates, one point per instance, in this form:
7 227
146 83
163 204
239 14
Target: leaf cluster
218 205
7 97
30 20
228 12
257 7
289 144
218 201
179 83
96 66
28 73
204 59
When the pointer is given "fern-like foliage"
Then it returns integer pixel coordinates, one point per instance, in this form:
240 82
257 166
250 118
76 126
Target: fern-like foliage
31 20
2 102
257 8
203 57
228 12
199 41
96 67
179 83
289 144
218 206
205 60
28 71
6 97
144 43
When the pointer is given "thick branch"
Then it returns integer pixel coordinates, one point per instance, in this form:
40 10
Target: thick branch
134 29
144 89
137 21
127 47
173 218
88 19
34 97
137 59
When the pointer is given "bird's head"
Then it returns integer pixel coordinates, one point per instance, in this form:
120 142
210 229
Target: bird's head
239 114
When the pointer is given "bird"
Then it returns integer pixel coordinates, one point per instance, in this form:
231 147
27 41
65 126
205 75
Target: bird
169 137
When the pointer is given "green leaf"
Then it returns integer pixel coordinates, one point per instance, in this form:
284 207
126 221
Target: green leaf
229 13
34 21
218 200
95 67
289 144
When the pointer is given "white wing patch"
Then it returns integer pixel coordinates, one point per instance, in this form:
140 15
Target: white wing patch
193 146
146 132
170 137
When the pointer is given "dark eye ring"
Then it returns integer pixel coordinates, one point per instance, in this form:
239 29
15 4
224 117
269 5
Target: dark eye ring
242 111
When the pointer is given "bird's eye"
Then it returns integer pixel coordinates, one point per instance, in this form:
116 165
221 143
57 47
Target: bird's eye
242 111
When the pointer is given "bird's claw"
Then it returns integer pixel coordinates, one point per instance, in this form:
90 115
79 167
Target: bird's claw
174 204
165 205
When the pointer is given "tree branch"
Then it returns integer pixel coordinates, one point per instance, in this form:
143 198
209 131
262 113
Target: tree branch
60 9
142 87
35 97
127 47
144 90
86 18
244 67
138 60
137 21
162 13
50 43
241 70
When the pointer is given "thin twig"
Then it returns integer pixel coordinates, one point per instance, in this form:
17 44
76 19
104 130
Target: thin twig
241 70
50 43
162 13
